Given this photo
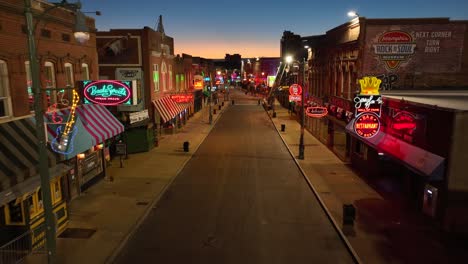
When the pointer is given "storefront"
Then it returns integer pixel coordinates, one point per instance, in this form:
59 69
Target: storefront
169 116
20 192
94 129
340 112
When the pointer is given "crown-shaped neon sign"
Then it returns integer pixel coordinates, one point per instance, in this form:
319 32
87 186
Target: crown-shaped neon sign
370 85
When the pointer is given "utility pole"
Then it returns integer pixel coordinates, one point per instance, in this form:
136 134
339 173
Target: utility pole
211 100
301 139
40 132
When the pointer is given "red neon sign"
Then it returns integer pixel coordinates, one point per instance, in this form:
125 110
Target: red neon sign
295 89
404 121
316 111
182 98
367 125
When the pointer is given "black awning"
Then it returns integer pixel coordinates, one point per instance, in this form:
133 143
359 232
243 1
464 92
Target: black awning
19 159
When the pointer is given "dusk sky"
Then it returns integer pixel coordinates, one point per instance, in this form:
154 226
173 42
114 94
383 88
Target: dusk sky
212 28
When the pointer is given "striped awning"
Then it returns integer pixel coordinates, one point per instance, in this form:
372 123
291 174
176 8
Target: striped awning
19 158
93 125
167 108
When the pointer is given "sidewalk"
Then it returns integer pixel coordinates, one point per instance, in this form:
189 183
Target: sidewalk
114 208
382 232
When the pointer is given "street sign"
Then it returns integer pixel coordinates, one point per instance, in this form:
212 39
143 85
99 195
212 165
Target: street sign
120 148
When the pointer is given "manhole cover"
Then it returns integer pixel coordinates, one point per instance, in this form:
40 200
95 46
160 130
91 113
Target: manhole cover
77 233
142 203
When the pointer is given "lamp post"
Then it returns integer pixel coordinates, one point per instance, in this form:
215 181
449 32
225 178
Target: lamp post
301 139
39 115
211 100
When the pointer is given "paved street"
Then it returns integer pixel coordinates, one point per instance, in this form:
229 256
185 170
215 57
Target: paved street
240 199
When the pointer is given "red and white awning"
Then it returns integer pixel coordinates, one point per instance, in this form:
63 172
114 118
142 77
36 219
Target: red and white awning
167 108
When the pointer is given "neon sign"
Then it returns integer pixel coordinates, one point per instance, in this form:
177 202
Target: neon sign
182 98
316 111
404 121
367 125
295 89
107 92
369 99
64 140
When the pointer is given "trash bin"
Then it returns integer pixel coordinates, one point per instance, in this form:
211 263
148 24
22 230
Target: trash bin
232 102
283 127
349 214
186 146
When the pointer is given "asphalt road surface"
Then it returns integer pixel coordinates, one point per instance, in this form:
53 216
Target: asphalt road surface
240 199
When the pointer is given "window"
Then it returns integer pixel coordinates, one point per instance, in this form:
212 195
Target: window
5 100
35 204
46 33
163 76
29 85
156 77
69 74
170 77
361 149
65 96
84 71
182 81
66 37
49 82
56 191
14 213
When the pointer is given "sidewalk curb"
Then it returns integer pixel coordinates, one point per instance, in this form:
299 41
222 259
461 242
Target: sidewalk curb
322 204
116 252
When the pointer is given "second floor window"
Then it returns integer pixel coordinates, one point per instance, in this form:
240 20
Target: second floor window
156 77
49 83
5 100
84 71
163 76
170 77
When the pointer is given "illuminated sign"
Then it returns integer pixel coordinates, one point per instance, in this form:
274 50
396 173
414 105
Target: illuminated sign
63 142
369 99
403 121
107 92
198 82
295 98
367 125
182 98
295 89
316 111
394 47
271 80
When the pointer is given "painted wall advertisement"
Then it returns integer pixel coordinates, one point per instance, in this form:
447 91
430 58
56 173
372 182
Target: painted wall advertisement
400 53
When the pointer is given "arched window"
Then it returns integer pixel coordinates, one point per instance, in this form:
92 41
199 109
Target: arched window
84 71
156 77
49 82
29 85
164 76
70 83
170 77
5 100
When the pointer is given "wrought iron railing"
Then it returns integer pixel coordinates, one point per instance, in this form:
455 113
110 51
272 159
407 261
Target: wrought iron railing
19 248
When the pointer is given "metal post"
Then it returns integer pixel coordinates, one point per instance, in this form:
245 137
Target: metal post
301 139
40 132
211 101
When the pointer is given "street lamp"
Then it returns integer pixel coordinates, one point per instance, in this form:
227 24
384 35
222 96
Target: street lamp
81 32
353 14
289 60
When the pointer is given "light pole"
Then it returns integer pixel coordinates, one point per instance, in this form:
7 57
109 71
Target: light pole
39 115
301 139
211 100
